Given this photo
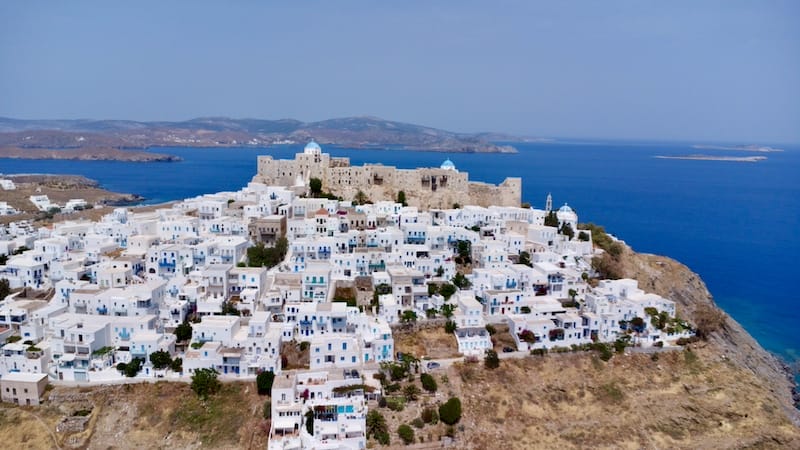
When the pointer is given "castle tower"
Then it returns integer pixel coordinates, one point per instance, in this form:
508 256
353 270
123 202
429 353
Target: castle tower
548 204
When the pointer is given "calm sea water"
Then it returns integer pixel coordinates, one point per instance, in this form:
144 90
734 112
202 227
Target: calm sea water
735 224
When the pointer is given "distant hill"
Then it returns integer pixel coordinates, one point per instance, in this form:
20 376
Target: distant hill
357 132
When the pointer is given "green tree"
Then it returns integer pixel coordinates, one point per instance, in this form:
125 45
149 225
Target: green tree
229 309
551 220
450 411
177 365
261 256
447 310
406 433
376 426
461 281
440 271
428 382
132 368
264 382
5 288
572 294
360 198
205 382
183 332
583 236
160 359
491 360
401 198
408 316
310 421
525 258
315 184
450 326
447 290
567 230
464 249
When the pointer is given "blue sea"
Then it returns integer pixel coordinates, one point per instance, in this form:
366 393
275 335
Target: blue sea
736 224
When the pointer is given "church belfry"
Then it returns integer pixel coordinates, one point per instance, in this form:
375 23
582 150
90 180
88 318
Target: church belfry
548 204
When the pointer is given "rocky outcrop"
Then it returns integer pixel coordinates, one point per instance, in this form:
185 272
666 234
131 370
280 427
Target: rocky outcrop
674 280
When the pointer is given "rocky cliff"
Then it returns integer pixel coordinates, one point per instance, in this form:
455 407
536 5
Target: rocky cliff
674 280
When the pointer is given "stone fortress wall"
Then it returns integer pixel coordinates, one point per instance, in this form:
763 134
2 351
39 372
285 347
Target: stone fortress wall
424 187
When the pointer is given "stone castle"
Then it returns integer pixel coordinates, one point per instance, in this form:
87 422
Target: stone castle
425 188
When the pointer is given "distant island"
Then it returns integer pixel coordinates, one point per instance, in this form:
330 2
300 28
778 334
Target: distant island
716 158
741 148
128 140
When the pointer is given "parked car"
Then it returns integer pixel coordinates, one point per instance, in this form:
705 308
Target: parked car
433 365
508 350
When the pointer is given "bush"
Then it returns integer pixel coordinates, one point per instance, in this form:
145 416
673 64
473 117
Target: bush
450 326
406 433
491 360
205 382
418 422
395 404
430 415
450 411
539 352
708 319
659 344
411 392
264 382
266 410
491 329
687 341
382 402
428 382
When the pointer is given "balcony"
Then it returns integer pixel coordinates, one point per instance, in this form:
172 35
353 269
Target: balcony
164 263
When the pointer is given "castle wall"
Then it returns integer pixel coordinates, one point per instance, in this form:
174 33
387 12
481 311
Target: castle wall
425 187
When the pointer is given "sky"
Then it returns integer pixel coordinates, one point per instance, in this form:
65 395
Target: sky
726 71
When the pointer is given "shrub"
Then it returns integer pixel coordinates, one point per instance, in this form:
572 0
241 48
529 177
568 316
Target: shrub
491 329
406 433
411 392
266 410
205 382
430 415
382 402
450 411
708 319
450 326
13 339
418 423
264 382
491 360
428 382
539 352
395 404
659 344
687 341
527 336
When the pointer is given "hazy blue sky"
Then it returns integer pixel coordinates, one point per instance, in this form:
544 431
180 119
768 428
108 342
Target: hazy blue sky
722 70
